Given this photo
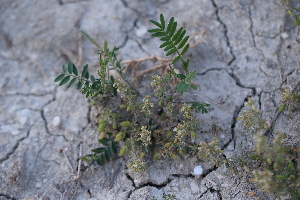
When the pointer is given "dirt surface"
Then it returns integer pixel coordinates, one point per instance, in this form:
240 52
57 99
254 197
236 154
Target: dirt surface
249 48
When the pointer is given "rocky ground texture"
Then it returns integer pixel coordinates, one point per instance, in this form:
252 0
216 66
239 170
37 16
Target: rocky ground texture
249 48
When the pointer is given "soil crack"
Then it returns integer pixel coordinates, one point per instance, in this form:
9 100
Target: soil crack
7 196
14 148
225 32
45 120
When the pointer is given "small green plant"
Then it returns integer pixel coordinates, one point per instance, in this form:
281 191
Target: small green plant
278 173
154 125
294 12
167 197
289 100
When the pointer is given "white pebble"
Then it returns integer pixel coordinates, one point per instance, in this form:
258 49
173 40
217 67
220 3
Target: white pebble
198 170
284 35
56 121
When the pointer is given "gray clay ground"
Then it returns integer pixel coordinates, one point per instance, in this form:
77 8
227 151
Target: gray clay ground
250 48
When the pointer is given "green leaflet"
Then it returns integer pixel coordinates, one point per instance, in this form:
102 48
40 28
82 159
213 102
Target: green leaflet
162 21
186 47
64 68
156 23
71 83
175 59
182 43
182 87
70 67
64 81
59 77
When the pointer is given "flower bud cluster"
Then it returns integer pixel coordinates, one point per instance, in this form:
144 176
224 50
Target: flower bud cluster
147 105
145 136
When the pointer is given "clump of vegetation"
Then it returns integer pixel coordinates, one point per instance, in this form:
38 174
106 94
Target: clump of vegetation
289 100
157 124
294 12
278 173
167 197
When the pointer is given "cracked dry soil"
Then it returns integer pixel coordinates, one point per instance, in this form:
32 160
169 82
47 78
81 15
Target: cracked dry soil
249 49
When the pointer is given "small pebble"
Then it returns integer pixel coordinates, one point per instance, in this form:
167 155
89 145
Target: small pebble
284 35
56 121
198 170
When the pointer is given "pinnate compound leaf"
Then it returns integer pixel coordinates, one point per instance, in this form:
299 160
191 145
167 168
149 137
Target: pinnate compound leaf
185 48
156 23
71 82
170 24
59 77
162 21
64 81
171 51
182 43
75 71
70 67
159 34
175 59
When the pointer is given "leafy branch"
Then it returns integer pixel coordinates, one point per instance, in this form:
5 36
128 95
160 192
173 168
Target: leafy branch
173 41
